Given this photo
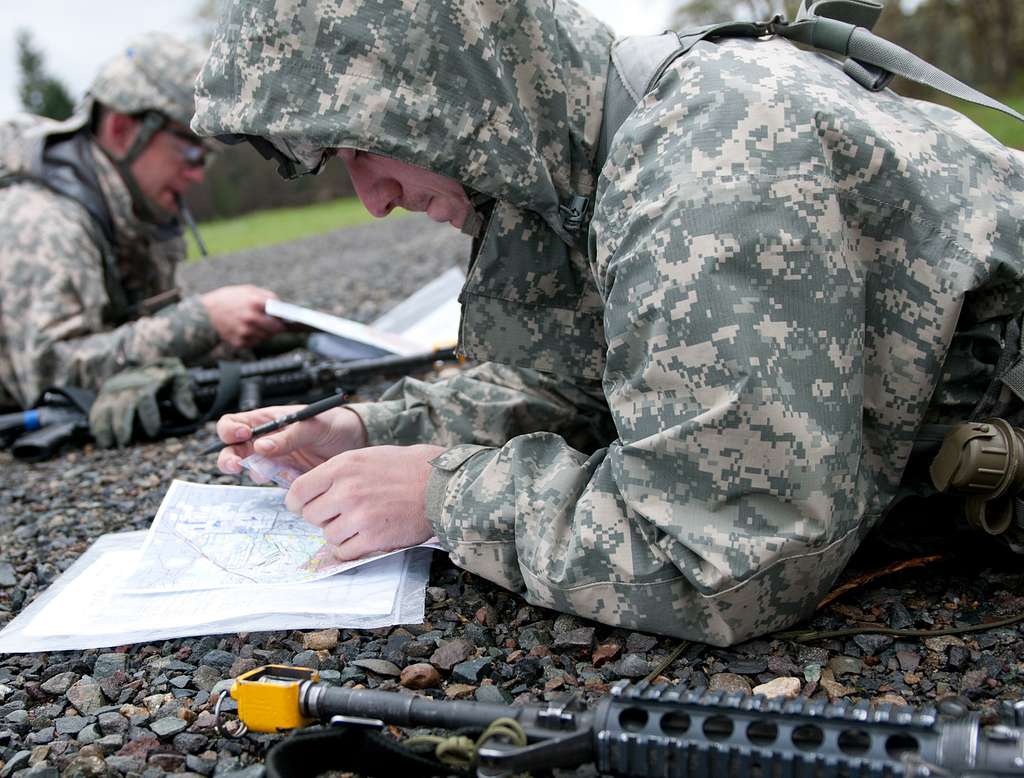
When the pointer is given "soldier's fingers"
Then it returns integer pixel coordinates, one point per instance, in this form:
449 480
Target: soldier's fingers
229 462
355 547
123 419
233 428
294 437
100 425
149 414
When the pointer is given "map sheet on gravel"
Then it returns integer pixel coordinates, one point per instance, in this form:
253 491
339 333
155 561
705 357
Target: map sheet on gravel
210 536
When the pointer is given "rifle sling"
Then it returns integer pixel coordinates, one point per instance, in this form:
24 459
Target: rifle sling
228 383
352 749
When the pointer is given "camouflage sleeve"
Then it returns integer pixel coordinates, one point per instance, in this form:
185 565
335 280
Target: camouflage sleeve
734 492
487 405
53 301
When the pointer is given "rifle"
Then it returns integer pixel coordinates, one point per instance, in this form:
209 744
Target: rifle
294 377
637 730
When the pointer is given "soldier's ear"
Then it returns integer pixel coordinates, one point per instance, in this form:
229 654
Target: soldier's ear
116 132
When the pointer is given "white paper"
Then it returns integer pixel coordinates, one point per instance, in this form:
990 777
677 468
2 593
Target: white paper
343 328
213 536
86 607
427 320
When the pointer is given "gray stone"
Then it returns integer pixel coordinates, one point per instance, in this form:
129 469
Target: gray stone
531 637
493 694
471 671
17 717
253 771
306 659
577 642
873 644
189 743
199 765
845 665
219 659
379 666
86 767
42 736
44 771
206 677
632 666
59 684
110 743
168 726
729 683
126 764
451 652
8 577
89 734
16 762
437 594
71 725
86 696
108 664
639 643
111 723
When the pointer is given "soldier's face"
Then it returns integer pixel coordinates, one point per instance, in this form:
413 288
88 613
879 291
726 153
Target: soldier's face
383 184
168 167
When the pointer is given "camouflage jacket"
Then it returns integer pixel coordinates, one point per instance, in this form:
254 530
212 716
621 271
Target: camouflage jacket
702 416
71 297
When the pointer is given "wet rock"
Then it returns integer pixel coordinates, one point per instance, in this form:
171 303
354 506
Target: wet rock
873 644
108 664
321 640
729 682
379 666
470 671
451 653
632 666
578 642
59 684
779 687
845 665
420 676
86 695
168 727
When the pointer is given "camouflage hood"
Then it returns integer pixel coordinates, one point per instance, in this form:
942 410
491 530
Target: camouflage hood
504 97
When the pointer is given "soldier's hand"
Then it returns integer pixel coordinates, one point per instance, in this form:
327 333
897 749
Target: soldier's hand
304 444
367 500
133 393
238 316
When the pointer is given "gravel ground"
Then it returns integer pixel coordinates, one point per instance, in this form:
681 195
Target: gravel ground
147 709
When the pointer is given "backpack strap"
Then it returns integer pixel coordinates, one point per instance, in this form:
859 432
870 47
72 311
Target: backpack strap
839 26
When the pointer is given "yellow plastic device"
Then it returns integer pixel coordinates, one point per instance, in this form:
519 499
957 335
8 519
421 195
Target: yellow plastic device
268 697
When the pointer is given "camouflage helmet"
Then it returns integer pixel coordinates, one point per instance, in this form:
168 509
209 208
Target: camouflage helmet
153 73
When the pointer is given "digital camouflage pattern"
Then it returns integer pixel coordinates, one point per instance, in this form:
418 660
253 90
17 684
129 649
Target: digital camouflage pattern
153 73
778 261
55 310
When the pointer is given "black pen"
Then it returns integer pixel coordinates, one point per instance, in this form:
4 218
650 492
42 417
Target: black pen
303 413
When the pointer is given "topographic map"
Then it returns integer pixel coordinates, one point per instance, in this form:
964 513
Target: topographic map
208 536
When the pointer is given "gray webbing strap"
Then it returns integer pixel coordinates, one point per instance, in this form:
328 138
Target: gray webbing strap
835 25
1013 377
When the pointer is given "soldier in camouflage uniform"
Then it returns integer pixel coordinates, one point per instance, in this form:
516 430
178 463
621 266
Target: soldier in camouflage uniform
692 418
90 236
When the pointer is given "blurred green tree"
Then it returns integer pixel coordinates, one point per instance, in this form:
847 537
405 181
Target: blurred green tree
39 92
694 13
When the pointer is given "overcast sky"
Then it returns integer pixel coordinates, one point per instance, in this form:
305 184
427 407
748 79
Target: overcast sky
76 36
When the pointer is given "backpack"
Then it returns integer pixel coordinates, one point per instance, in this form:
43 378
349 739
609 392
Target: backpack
976 453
